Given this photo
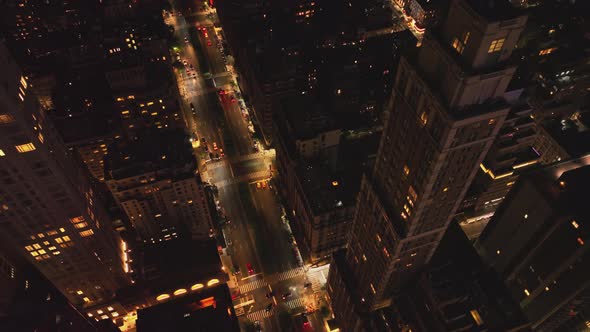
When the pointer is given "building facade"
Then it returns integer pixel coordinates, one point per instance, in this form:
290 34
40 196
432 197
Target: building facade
155 181
49 211
538 242
448 102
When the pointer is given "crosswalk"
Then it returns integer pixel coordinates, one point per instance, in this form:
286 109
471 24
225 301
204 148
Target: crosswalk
247 177
260 315
286 275
253 285
296 303
316 286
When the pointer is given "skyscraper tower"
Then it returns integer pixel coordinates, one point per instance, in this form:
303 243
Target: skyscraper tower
446 109
47 208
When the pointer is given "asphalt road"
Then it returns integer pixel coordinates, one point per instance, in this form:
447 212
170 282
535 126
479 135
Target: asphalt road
257 235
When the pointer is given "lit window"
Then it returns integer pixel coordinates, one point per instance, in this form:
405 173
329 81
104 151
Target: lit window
580 241
196 286
42 251
41 138
58 240
162 297
29 248
406 170
36 246
385 252
6 118
2 154
547 51
80 225
87 233
212 282
424 118
180 291
378 237
476 317
526 292
364 258
79 292
25 147
575 224
373 289
412 193
77 219
496 45
498 252
66 238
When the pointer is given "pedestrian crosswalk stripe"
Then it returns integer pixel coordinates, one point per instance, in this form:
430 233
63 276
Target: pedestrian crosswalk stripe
259 315
258 283
295 303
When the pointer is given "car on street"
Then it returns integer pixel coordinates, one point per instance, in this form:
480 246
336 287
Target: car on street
206 148
237 269
307 285
269 295
211 156
305 320
203 140
258 185
287 295
185 40
221 92
250 268
268 307
192 107
215 146
209 43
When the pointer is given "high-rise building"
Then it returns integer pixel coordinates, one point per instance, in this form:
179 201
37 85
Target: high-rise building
154 180
446 109
48 209
538 242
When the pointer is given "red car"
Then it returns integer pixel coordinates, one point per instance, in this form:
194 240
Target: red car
209 43
250 269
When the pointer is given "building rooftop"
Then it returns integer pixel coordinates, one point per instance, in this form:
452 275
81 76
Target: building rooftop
208 310
494 10
329 188
151 151
180 261
171 265
566 184
306 118
573 135
457 291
